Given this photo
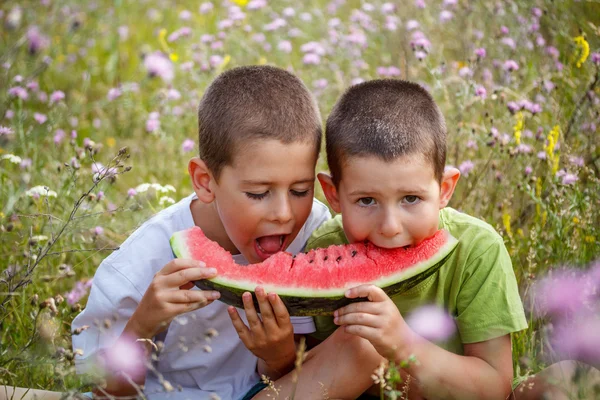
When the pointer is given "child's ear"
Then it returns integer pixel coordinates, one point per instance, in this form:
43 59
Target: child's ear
202 180
449 181
330 191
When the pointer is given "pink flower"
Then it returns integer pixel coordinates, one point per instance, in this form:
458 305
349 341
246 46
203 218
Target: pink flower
5 131
528 170
465 167
420 4
153 122
157 64
18 91
578 161
57 96
40 118
113 94
131 193
411 25
188 145
125 357
206 7
511 65
481 92
446 16
480 52
98 231
569 179
432 323
578 338
59 135
36 41
311 59
285 46
595 57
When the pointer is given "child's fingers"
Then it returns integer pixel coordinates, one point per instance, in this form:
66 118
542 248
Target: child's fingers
241 328
192 296
254 321
266 311
180 263
183 276
372 292
365 332
359 307
362 319
281 312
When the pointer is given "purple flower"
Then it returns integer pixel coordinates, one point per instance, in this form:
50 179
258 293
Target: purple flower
511 65
285 46
311 59
125 357
5 131
471 144
536 12
578 338
113 94
57 96
98 231
412 25
504 30
79 291
9 114
157 64
513 106
578 161
569 179
59 135
432 323
18 91
256 4
510 42
25 163
388 8
524 149
541 155
420 55
206 7
446 16
552 52
465 167
289 12
481 92
188 145
40 118
185 15
595 58
420 4
131 193
153 122
528 170
480 52
36 41
100 195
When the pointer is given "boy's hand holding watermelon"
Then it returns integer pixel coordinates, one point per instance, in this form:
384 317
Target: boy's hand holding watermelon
169 296
269 337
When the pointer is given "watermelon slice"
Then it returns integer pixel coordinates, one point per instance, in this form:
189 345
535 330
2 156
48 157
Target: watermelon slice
314 283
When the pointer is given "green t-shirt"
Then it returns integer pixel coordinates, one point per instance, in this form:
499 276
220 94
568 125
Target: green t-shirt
476 284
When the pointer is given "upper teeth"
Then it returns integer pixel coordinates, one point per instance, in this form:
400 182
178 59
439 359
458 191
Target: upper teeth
280 240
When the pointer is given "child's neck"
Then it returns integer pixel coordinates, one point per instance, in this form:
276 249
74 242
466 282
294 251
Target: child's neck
206 217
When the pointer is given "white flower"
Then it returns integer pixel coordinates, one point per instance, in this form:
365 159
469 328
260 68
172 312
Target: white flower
166 199
38 191
12 158
144 187
39 238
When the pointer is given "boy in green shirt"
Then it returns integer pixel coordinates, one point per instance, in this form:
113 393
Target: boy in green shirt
386 150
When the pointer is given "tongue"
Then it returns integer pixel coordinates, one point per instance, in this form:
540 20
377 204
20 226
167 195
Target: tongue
269 244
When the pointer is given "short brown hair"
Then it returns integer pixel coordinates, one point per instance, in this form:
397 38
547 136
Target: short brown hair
254 102
386 118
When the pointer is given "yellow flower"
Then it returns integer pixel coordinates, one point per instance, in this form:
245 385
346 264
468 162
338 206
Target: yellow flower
221 67
162 34
262 61
552 141
538 194
583 50
575 220
518 128
110 142
506 223
241 3
590 239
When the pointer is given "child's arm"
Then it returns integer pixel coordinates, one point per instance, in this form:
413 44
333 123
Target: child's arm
167 297
484 372
270 339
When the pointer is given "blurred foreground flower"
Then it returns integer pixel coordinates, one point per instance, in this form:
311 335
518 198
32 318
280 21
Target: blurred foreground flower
126 357
159 65
37 191
432 323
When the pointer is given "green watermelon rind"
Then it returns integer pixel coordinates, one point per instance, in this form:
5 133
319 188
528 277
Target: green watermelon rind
302 301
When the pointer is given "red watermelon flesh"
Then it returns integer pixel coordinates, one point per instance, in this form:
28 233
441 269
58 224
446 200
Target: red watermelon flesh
319 273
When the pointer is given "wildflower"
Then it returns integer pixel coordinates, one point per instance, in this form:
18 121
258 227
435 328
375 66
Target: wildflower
432 323
36 41
123 32
578 161
25 163
37 191
583 50
157 64
481 92
79 291
552 140
388 8
510 42
285 46
480 52
511 65
206 7
57 96
518 128
311 59
596 58
19 92
113 94
11 158
506 223
59 135
446 16
5 131
153 122
411 25
187 145
131 193
98 231
165 200
552 52
528 170
471 144
465 167
569 179
40 118
420 4
578 338
126 357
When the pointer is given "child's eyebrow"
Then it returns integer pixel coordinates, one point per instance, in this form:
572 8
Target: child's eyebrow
267 183
412 191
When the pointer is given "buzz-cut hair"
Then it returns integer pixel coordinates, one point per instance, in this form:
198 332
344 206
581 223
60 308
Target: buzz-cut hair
388 119
252 103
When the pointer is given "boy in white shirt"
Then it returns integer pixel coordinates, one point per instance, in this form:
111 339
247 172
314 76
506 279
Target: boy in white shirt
260 136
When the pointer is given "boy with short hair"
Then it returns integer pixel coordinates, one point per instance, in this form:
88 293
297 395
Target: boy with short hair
386 150
259 135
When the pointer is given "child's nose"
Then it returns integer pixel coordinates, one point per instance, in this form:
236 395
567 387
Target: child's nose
282 210
390 225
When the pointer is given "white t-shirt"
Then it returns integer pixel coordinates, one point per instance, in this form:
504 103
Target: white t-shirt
227 368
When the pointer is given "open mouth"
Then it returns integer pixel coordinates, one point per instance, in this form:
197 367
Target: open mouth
266 246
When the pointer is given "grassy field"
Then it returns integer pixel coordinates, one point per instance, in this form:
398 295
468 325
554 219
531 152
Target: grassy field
518 82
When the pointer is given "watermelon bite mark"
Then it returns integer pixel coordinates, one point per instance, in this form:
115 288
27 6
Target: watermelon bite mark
314 283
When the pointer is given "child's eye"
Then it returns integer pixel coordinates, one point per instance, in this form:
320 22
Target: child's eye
411 199
256 196
366 201
299 193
